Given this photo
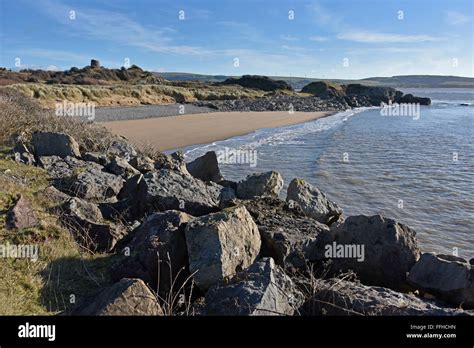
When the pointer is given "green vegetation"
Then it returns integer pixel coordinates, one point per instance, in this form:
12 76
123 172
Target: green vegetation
63 269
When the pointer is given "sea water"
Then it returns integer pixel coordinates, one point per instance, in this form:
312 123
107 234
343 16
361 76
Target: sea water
417 170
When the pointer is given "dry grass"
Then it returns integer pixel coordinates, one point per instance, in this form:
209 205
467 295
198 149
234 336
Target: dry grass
47 95
20 115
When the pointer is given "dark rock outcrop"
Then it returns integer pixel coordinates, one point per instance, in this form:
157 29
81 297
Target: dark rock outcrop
205 168
157 249
289 237
447 277
390 250
263 83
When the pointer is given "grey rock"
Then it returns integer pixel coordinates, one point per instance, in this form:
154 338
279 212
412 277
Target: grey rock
447 277
261 184
96 157
173 190
173 162
85 220
221 244
226 197
341 297
121 167
95 184
127 297
390 250
262 289
312 201
54 144
205 168
121 148
142 163
159 240
289 237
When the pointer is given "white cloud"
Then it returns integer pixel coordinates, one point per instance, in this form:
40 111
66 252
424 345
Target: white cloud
377 37
318 38
456 18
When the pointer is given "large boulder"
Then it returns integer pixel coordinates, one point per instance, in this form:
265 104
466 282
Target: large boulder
289 237
447 277
119 166
54 144
262 289
260 185
342 297
312 201
221 244
121 148
85 220
83 179
205 168
142 163
389 250
175 162
58 167
157 252
21 215
127 297
263 83
173 190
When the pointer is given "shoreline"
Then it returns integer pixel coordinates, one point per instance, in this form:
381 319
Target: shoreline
172 132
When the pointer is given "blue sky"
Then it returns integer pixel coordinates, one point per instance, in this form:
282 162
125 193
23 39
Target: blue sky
372 37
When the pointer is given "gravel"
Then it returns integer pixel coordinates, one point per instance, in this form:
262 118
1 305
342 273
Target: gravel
105 114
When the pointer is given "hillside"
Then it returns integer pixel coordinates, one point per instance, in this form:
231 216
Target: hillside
426 81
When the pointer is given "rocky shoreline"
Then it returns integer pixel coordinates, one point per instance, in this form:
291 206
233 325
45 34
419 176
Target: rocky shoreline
320 96
186 241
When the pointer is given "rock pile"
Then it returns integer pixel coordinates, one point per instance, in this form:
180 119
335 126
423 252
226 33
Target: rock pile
233 248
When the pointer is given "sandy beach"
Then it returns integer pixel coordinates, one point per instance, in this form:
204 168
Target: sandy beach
175 132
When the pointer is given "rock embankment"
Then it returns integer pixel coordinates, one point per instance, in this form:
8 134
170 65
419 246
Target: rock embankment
324 96
188 241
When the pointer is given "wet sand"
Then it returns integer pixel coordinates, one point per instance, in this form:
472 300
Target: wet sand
167 133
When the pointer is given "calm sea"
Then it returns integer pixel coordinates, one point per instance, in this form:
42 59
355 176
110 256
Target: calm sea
417 169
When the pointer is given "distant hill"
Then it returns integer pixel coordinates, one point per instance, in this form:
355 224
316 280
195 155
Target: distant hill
407 81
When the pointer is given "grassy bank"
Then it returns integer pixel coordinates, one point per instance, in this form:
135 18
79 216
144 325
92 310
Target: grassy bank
47 95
